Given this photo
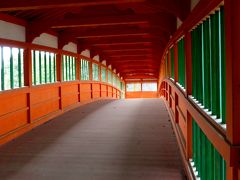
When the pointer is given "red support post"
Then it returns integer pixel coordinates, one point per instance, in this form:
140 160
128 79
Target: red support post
232 26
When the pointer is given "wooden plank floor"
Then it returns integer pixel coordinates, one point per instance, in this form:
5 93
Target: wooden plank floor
105 140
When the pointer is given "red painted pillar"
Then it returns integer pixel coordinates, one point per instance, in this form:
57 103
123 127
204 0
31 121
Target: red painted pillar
28 78
232 26
59 77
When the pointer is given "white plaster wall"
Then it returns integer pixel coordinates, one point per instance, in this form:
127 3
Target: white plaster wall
86 53
71 47
12 31
194 3
104 62
96 58
46 40
179 23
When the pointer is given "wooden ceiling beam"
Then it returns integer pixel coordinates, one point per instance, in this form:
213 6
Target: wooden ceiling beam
100 21
110 51
15 5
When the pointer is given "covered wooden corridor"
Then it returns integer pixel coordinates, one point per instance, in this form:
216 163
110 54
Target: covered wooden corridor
68 69
105 140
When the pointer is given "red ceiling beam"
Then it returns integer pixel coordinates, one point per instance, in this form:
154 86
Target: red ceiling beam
14 5
99 21
115 32
127 50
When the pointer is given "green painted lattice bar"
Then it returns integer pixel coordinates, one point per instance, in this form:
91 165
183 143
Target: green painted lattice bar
209 164
166 65
103 74
85 70
43 67
11 67
208 65
68 68
172 62
95 72
181 63
110 77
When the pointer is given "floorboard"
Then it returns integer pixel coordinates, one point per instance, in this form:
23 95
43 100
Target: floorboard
106 140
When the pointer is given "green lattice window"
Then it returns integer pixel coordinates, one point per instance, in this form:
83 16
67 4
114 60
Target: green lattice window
103 74
11 67
110 77
208 65
181 63
172 62
43 67
68 68
85 72
95 72
207 160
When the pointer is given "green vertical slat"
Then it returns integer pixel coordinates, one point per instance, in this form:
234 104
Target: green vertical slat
194 140
2 70
214 65
63 70
223 65
74 68
166 64
19 68
199 151
196 64
172 62
179 63
11 69
54 68
81 70
34 68
202 63
40 68
70 67
193 63
207 100
224 175
45 66
199 65
66 68
183 64
84 69
50 67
